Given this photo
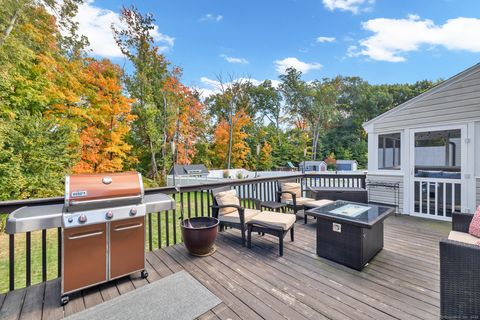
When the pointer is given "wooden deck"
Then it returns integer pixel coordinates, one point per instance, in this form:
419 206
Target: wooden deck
402 282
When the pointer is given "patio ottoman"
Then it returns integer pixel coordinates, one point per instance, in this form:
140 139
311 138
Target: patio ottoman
274 223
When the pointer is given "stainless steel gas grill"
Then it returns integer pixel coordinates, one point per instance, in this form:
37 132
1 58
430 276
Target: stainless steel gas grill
103 227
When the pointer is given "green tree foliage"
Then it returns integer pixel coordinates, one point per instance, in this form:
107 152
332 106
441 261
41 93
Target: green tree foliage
35 154
146 85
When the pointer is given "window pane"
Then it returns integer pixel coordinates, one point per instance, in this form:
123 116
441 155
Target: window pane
438 154
389 151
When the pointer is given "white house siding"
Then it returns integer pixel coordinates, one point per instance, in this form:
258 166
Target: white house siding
385 195
456 102
478 191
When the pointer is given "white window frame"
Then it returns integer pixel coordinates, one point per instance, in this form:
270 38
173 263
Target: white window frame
389 170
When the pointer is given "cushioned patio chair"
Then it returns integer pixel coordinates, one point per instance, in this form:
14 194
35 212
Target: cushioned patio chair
289 191
460 271
273 223
229 211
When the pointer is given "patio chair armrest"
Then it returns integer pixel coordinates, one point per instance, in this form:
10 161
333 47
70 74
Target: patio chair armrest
310 193
461 221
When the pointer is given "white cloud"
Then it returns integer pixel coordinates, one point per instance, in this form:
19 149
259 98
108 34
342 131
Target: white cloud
95 23
211 17
304 67
234 60
393 38
354 6
325 39
352 52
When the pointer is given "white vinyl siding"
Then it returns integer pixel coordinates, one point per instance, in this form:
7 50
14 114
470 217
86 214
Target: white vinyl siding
385 195
478 191
456 102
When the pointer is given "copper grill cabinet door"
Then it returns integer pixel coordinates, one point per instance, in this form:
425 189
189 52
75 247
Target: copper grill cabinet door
84 256
90 187
127 246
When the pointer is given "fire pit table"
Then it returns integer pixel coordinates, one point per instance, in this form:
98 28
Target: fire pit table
350 233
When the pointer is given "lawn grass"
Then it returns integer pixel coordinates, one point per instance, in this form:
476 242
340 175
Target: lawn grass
52 244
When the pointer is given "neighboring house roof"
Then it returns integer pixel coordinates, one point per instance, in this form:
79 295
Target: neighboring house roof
441 86
290 164
312 162
189 169
346 161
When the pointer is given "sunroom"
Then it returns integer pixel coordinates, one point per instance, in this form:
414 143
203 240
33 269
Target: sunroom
428 147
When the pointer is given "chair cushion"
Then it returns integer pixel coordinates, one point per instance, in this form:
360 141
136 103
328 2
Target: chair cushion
300 201
474 228
226 198
319 203
234 217
463 237
292 187
274 219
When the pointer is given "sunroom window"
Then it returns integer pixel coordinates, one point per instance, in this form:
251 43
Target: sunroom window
389 151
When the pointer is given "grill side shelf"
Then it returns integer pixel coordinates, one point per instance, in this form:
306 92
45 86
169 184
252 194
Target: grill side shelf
26 219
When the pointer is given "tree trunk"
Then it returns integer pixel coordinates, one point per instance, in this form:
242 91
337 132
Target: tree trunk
314 142
154 162
230 138
164 142
10 26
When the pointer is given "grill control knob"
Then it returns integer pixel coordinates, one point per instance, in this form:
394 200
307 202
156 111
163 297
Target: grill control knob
70 219
109 215
133 211
82 218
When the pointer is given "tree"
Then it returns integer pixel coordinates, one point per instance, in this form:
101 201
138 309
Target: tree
35 75
267 101
322 111
231 135
15 12
314 104
266 161
230 105
35 155
146 85
188 122
107 122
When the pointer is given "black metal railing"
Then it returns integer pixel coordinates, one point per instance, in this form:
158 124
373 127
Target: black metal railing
163 228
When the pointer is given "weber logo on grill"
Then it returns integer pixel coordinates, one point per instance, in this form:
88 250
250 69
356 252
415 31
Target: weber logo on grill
79 193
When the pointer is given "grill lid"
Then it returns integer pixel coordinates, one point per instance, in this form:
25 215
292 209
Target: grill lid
90 191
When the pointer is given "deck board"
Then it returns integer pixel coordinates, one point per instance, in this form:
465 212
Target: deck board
401 282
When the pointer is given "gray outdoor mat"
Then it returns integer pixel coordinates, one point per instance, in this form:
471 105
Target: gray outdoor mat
178 296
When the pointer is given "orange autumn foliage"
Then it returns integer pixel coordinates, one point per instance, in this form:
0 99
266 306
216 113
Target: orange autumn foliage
106 120
240 148
185 129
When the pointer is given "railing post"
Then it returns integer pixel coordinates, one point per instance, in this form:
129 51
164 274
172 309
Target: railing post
11 261
150 236
159 229
28 260
59 251
44 255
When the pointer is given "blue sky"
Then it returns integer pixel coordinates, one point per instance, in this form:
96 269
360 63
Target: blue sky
382 41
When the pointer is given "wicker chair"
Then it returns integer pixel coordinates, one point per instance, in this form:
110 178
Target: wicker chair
459 274
249 205
295 204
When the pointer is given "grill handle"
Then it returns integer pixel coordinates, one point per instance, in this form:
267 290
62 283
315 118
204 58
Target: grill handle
86 235
128 227
103 200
